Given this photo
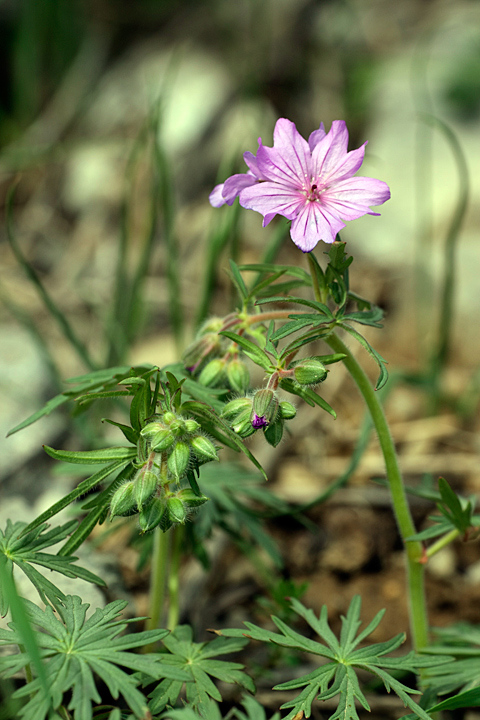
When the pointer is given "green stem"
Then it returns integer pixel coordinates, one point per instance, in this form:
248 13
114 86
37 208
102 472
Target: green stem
173 578
413 549
443 542
158 576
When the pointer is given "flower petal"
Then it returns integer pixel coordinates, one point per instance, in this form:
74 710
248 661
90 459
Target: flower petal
289 161
235 184
351 198
216 196
347 166
330 151
251 161
269 199
312 224
316 136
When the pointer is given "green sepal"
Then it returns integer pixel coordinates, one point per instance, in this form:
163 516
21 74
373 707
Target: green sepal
274 432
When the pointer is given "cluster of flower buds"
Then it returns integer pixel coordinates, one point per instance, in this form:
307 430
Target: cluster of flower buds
214 359
176 438
173 445
262 410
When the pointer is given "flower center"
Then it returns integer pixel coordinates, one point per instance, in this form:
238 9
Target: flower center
313 194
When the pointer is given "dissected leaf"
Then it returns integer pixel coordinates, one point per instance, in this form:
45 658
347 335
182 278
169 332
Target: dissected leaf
338 675
75 649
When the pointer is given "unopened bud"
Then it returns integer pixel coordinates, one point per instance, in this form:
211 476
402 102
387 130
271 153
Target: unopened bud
287 410
191 426
238 376
265 408
176 510
212 373
179 458
162 440
203 448
123 501
151 515
177 426
190 499
238 409
144 486
310 371
169 417
244 428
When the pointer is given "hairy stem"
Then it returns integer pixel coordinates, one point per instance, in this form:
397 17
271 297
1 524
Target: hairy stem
173 578
161 543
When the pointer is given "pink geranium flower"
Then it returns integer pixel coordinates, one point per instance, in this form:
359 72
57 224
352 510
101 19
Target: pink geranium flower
311 184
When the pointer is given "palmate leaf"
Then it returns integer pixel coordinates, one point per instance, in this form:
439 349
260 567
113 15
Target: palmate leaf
74 648
23 549
337 676
198 661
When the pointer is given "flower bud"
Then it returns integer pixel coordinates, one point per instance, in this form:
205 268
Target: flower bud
177 426
309 371
151 515
191 426
212 373
196 352
179 458
162 440
212 325
176 510
169 417
123 501
190 500
237 409
244 428
203 448
151 429
144 486
287 410
238 376
265 408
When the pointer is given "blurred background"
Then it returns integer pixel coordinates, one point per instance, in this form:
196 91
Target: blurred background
116 120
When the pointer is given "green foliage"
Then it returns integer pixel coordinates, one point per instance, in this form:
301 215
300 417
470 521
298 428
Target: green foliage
74 650
210 711
455 514
198 663
463 642
337 676
239 501
22 547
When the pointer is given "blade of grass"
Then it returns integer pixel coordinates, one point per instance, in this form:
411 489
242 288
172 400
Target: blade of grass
49 303
24 627
446 316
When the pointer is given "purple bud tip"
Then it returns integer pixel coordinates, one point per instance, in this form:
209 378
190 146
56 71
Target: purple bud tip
259 422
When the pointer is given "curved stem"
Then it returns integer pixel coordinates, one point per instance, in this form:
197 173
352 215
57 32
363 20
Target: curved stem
413 549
